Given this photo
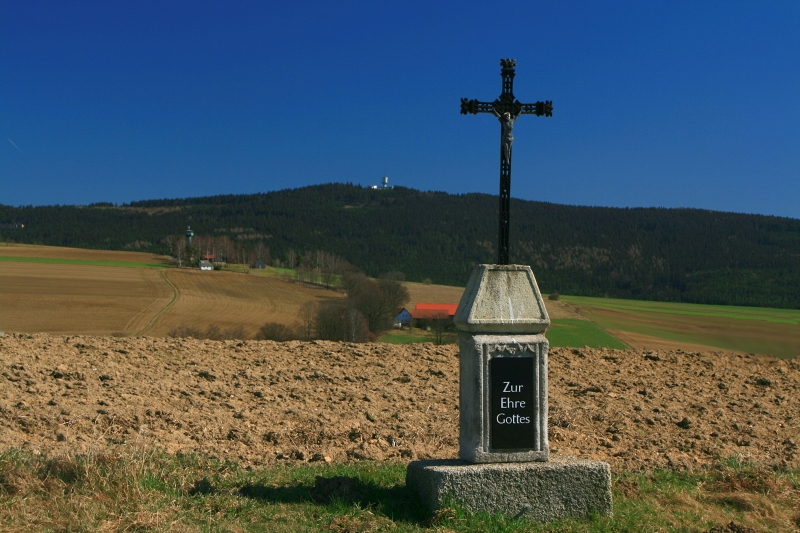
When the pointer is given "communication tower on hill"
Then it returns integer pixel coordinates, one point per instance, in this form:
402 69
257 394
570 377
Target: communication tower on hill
384 184
189 234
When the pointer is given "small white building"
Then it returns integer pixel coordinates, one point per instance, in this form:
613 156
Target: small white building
206 265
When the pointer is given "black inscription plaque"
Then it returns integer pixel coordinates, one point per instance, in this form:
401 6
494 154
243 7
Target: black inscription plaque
513 423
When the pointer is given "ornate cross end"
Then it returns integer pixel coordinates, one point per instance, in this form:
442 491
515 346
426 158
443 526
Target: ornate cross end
475 106
539 109
469 106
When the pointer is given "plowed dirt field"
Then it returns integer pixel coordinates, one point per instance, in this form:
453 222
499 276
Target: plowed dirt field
260 402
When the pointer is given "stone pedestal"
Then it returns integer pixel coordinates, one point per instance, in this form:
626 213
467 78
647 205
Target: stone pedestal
503 398
503 360
505 464
539 491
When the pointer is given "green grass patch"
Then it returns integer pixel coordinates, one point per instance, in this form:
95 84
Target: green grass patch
413 335
784 345
93 262
147 490
577 333
781 316
744 329
562 332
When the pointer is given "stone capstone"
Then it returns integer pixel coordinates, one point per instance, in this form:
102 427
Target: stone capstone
502 299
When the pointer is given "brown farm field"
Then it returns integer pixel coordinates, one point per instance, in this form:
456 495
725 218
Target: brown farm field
57 252
230 300
432 294
97 299
95 292
94 299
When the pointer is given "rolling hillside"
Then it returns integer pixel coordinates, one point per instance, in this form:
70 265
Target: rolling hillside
73 291
682 255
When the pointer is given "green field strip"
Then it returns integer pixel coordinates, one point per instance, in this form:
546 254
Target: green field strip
91 262
402 338
730 339
407 336
781 316
577 333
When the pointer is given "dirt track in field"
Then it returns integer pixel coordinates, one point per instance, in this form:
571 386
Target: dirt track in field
88 299
229 300
260 402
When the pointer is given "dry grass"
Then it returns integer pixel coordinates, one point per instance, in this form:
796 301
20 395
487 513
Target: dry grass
147 490
109 491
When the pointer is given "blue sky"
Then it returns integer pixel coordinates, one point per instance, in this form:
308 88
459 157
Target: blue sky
671 104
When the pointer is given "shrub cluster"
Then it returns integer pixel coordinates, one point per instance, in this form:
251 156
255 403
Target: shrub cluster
212 332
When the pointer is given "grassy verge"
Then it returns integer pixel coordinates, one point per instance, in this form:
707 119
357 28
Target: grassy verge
568 332
412 335
746 329
154 491
95 262
765 314
576 333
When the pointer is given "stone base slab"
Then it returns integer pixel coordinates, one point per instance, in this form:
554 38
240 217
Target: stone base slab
540 491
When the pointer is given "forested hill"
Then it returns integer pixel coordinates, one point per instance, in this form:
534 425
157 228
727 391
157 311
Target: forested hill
660 254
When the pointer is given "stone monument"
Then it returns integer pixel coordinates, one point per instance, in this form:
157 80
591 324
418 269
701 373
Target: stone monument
504 463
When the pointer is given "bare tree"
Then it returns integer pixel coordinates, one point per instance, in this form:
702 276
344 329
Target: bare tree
331 266
439 325
393 293
356 326
180 247
304 272
261 252
169 242
377 301
308 318
340 322
273 331
228 249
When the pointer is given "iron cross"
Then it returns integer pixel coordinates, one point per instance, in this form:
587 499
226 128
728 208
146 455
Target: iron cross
507 109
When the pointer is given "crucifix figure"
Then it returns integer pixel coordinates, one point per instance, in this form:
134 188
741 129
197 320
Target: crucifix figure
506 133
507 109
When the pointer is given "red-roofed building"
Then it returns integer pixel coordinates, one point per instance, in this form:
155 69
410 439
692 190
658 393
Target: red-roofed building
423 314
449 308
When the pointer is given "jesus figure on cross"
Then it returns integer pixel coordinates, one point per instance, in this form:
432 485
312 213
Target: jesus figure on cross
506 129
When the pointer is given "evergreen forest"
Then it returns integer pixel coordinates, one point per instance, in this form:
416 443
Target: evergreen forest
686 255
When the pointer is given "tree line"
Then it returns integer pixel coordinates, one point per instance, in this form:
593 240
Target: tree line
367 311
688 255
